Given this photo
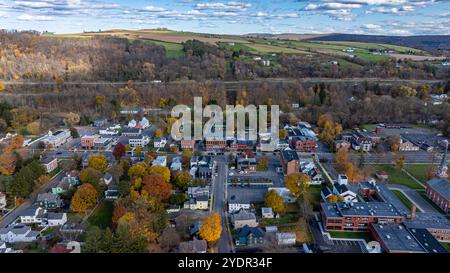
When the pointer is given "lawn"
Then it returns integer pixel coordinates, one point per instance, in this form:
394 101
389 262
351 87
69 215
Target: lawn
396 175
446 245
102 216
351 235
263 49
403 198
301 229
288 218
314 196
424 196
419 171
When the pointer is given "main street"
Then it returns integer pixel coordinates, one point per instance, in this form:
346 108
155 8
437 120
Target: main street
219 190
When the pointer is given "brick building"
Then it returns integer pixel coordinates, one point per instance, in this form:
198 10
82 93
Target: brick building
290 162
304 144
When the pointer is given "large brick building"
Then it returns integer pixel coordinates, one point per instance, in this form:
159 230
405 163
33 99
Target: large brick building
304 144
438 190
357 216
290 162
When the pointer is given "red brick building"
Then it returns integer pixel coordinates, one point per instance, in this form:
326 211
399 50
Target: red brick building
357 216
438 190
187 144
304 144
215 144
290 162
88 142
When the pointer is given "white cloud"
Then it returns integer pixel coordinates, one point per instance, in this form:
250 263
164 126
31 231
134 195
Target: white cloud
229 6
153 9
28 17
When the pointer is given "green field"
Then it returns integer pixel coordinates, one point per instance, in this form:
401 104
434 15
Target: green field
102 215
419 171
446 246
287 218
173 50
403 198
314 196
351 235
264 49
396 175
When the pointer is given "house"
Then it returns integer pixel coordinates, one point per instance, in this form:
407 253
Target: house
2 200
341 144
235 204
102 142
130 110
55 219
18 234
159 142
198 191
340 189
138 141
160 160
243 218
57 139
131 132
282 144
144 123
197 203
187 144
382 175
362 144
194 246
49 201
132 123
107 178
271 229
49 163
112 193
287 196
88 141
32 215
406 146
304 144
246 164
325 193
248 236
309 168
201 166
286 238
267 213
69 181
290 161
108 132
176 164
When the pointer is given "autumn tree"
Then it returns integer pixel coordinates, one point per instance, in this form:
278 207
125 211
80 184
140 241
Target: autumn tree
72 119
91 176
119 151
2 86
74 132
159 132
181 180
298 183
394 142
84 198
329 128
211 228
160 170
155 185
399 160
98 162
138 170
275 201
282 134
263 163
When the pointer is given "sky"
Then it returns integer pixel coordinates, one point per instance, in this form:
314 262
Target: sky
385 17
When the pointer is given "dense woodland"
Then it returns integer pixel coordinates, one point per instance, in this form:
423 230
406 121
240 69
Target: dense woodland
30 56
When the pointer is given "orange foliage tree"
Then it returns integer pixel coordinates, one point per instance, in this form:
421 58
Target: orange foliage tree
84 198
156 186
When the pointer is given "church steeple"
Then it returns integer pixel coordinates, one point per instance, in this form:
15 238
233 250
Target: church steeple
442 171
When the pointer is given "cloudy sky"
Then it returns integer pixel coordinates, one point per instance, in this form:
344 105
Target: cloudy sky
390 17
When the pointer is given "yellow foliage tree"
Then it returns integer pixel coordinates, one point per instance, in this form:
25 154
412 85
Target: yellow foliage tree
98 162
84 198
298 183
275 201
2 86
211 228
161 170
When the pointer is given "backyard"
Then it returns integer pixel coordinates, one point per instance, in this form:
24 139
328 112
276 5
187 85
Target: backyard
396 175
102 215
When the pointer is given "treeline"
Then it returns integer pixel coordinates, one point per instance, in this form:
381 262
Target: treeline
31 57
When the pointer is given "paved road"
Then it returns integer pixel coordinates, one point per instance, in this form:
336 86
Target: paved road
13 215
219 189
415 198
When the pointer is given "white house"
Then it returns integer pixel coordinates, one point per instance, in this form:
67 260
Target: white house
198 203
160 160
197 191
56 219
243 218
340 188
32 216
267 213
132 123
138 141
176 164
286 238
58 138
234 204
18 234
144 123
159 142
107 178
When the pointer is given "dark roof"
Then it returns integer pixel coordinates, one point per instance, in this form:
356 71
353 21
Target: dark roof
395 237
289 155
326 191
442 186
47 160
246 231
54 216
341 188
131 130
427 241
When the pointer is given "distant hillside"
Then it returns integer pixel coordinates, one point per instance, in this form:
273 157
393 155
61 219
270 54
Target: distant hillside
425 42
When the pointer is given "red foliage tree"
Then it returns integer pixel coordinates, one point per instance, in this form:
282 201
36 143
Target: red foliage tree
119 150
156 185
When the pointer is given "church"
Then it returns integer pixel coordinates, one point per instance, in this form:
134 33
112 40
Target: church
438 188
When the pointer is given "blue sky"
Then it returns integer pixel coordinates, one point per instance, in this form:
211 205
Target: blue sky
390 17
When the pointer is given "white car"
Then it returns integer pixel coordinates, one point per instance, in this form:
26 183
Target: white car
231 174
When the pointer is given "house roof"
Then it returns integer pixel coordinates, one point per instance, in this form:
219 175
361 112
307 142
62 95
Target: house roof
47 160
246 231
55 216
289 155
17 229
243 215
442 186
49 197
193 246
